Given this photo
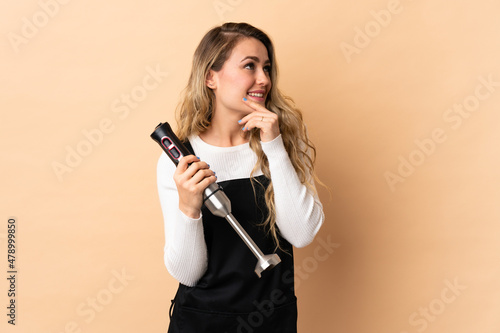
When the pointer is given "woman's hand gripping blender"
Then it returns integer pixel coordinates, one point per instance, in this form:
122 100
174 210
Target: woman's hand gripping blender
197 179
191 177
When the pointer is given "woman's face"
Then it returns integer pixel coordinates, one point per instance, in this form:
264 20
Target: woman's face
245 74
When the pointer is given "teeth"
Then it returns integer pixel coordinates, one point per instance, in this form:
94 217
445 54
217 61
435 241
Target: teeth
256 95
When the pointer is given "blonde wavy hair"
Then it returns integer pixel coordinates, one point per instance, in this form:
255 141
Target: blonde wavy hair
196 107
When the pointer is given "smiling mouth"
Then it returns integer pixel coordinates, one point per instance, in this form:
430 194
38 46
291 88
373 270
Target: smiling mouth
256 94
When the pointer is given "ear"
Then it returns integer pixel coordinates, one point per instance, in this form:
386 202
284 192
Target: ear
210 80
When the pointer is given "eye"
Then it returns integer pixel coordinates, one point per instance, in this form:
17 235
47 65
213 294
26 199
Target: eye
250 66
267 69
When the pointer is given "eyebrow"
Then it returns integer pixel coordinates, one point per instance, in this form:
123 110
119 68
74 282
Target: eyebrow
255 59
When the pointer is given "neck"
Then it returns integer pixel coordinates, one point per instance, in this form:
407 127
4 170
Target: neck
224 131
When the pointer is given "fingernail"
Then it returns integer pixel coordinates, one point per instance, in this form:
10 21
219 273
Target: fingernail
197 157
244 98
239 121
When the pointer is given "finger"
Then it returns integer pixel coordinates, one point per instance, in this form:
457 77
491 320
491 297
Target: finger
191 164
200 175
187 167
192 170
268 126
198 183
259 110
194 185
185 161
197 165
254 123
258 117
207 181
254 105
265 122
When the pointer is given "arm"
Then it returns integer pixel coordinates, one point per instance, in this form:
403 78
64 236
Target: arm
185 252
299 213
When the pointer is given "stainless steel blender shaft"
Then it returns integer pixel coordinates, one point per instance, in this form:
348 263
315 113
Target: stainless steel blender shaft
218 203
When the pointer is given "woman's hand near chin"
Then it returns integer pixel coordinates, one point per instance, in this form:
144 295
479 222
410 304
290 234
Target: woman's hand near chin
263 119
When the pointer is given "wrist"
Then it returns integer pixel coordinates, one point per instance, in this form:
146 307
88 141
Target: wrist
190 212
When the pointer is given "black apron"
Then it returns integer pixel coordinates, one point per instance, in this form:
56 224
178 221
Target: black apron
230 297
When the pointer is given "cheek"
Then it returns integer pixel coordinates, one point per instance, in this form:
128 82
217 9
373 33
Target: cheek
228 81
237 84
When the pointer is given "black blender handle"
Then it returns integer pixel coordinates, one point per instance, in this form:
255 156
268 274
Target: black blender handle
170 143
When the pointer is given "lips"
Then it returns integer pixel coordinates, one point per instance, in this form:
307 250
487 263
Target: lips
257 93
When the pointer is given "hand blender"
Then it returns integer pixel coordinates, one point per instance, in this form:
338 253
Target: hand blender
214 197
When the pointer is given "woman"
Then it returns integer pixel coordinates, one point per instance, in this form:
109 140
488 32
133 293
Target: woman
235 119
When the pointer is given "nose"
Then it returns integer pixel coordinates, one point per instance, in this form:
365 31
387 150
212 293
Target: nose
263 78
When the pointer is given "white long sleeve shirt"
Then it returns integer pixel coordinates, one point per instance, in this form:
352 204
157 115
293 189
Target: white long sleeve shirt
299 213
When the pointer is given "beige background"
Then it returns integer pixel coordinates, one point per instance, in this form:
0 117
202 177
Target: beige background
375 79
